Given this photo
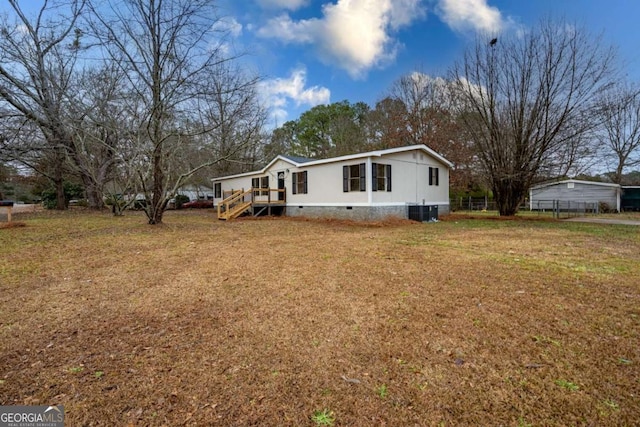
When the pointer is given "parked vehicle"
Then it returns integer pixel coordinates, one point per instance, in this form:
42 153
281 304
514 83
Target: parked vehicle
198 204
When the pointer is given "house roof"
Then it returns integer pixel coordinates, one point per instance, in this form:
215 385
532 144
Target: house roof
575 181
302 161
297 159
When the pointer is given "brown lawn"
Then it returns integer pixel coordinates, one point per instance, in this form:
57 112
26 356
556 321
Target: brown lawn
270 322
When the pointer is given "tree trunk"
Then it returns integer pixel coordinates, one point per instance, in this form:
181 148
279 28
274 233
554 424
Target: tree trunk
58 180
508 195
94 197
93 191
61 201
155 210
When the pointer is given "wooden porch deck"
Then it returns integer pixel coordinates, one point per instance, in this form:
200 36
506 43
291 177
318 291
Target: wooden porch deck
258 200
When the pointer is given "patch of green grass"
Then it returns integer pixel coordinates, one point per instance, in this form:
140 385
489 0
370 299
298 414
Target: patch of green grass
546 340
76 369
568 385
323 418
611 404
382 391
98 374
523 423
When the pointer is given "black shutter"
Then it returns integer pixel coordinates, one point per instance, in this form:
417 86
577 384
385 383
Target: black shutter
437 176
374 177
294 183
363 177
388 177
430 175
345 179
304 177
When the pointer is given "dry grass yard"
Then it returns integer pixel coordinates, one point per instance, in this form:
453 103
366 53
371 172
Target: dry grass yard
303 323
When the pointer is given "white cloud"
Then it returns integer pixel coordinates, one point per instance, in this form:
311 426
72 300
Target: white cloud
277 93
354 35
228 26
288 31
470 14
282 4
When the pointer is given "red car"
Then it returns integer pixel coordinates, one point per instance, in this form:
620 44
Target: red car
198 204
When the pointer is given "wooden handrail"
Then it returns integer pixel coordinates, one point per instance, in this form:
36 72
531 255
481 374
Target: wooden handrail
262 192
237 199
226 205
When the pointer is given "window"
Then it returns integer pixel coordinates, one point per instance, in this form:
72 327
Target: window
381 178
217 190
299 182
354 178
433 176
260 183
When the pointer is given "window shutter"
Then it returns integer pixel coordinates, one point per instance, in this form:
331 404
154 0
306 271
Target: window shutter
363 177
430 175
388 177
304 177
345 179
437 176
374 177
294 183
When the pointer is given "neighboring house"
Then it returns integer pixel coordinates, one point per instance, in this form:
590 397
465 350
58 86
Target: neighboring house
542 196
196 192
370 185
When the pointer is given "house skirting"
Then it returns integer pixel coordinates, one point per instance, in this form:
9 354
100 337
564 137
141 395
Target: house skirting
360 213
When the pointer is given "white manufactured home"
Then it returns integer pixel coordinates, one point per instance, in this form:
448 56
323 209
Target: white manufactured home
575 191
366 186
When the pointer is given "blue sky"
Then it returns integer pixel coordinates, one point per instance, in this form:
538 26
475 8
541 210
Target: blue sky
320 51
311 52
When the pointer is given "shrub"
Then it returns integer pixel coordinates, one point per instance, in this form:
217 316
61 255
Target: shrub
604 208
180 200
71 191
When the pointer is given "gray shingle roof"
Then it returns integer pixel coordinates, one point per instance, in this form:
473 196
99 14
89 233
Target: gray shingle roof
297 159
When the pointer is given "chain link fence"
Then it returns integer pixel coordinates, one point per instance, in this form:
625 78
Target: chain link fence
566 208
554 208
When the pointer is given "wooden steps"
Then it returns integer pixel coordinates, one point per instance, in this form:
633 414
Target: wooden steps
241 201
238 210
234 205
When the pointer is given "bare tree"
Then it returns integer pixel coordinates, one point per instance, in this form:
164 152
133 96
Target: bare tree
37 59
619 135
388 124
428 104
235 119
528 99
431 118
168 50
97 111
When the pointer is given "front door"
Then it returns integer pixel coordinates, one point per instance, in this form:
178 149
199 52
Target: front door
281 185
